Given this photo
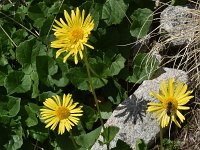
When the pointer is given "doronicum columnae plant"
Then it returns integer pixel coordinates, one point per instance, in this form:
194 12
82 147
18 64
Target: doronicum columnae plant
171 100
71 37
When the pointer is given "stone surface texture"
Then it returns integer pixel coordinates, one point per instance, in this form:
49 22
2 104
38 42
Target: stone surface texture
131 117
179 24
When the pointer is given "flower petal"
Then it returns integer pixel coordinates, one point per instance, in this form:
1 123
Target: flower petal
181 117
171 87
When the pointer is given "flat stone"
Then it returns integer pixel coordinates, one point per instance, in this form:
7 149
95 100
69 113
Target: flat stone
131 117
178 24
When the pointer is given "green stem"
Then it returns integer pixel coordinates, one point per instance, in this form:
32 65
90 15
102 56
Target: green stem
73 140
93 91
161 138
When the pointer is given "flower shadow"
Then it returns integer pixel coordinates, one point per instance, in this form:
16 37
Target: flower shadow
134 107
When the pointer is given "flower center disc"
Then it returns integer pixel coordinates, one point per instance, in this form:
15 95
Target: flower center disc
173 101
62 112
77 34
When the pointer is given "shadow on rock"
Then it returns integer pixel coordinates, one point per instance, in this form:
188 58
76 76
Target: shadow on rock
135 108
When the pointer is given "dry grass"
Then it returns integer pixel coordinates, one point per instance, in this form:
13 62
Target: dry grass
185 56
189 135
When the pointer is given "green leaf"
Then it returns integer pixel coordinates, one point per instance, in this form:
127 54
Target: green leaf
32 119
13 106
24 52
116 65
18 82
19 36
89 117
87 140
115 92
142 19
46 28
114 11
27 52
140 145
42 68
46 67
108 66
16 139
9 106
96 12
26 84
62 144
37 11
32 111
46 95
79 78
39 133
144 67
106 40
106 110
54 8
55 145
35 79
3 60
109 133
39 22
121 145
14 143
2 78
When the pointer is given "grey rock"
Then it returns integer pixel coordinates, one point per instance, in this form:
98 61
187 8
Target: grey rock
179 24
131 117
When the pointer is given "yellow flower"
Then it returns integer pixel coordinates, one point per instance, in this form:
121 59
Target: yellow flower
63 113
171 101
71 37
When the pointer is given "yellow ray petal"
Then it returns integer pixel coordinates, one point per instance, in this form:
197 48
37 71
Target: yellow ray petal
159 97
183 107
163 88
175 121
171 87
181 117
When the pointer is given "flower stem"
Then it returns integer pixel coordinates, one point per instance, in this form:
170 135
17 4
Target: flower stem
161 138
73 140
93 91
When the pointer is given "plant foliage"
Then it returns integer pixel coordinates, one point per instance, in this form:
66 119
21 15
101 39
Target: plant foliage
30 73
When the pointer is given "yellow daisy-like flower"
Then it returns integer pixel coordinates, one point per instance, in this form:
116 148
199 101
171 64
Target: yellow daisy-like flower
73 35
171 101
63 113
